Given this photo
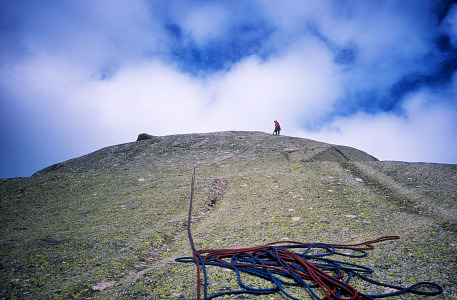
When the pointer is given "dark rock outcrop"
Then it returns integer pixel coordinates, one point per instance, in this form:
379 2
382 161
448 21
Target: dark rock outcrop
145 136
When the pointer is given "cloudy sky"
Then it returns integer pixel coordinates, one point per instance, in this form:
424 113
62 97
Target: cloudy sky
76 76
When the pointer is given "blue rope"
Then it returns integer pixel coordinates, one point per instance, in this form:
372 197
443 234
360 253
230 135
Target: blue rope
311 267
256 264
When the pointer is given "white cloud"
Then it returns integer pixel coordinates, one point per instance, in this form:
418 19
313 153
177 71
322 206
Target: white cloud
302 83
427 132
151 97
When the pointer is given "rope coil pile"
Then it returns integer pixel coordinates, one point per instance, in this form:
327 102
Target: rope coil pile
284 264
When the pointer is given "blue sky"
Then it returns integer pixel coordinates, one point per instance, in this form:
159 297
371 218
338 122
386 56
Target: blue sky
76 76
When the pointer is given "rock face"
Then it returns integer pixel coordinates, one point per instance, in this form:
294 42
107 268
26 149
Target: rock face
189 150
109 224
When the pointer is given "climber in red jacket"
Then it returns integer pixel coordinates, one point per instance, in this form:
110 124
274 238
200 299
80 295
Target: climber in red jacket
277 128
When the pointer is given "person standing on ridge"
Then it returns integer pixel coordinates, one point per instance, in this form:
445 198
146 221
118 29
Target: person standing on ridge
277 128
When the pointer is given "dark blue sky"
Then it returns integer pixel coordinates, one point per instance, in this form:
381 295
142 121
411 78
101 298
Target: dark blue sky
76 76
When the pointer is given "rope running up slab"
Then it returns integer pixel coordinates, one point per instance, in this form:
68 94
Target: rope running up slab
309 266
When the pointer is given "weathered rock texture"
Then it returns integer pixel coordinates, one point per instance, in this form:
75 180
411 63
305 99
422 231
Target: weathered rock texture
109 224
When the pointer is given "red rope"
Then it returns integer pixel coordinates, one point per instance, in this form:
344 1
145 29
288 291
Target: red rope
328 284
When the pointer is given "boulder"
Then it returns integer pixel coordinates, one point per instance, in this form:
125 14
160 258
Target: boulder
144 136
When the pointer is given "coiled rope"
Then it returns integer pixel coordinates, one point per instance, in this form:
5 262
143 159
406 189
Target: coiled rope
295 264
